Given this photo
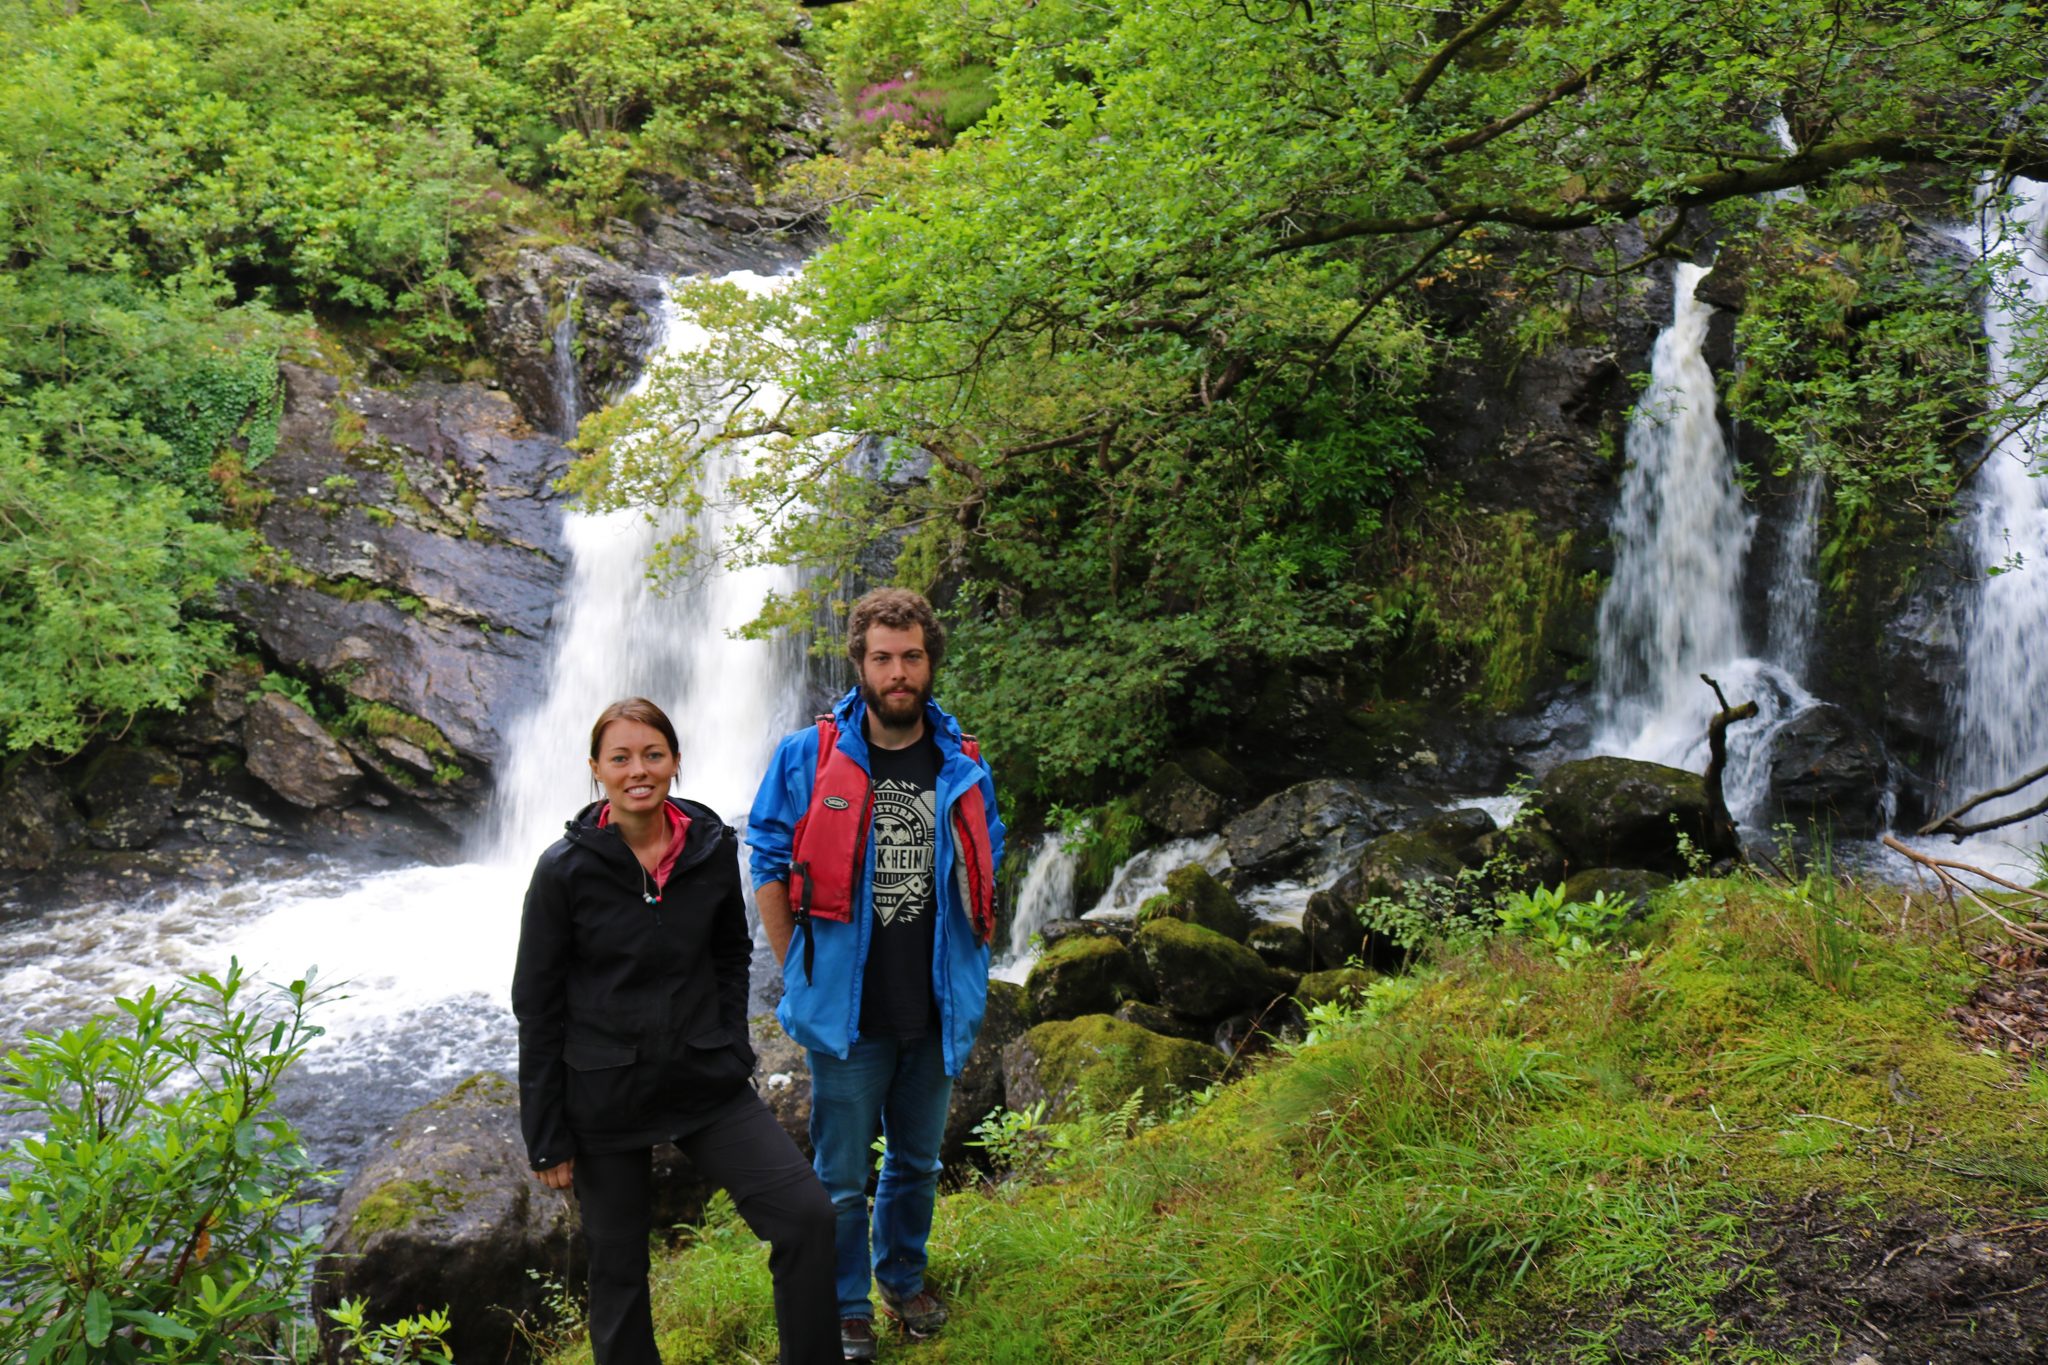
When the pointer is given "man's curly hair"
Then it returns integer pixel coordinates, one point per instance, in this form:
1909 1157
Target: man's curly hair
899 609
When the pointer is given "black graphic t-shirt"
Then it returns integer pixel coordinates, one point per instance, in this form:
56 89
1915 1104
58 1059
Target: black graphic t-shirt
896 993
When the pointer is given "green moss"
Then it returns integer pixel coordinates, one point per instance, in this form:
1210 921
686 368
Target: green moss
376 719
1097 1062
398 1204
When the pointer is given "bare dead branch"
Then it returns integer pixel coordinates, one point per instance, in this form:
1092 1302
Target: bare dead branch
1949 823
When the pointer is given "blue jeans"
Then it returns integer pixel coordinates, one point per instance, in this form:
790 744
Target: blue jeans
901 1090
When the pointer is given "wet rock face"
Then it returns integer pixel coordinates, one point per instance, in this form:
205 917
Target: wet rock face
1829 770
293 756
1621 812
129 794
1286 829
607 313
448 1214
38 823
425 558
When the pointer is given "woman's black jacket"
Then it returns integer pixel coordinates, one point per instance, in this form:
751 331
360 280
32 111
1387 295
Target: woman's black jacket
632 1017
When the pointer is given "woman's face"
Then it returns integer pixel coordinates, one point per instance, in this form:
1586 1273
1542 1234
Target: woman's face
634 765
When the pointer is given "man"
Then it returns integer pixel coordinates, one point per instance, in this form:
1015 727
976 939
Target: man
875 846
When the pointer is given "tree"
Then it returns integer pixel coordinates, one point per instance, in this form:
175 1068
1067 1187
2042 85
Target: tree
1162 321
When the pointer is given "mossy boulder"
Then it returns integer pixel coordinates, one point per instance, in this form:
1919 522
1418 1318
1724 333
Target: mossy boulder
1331 930
978 1090
1396 865
1077 976
1339 983
1280 945
1631 884
1193 896
1164 1021
1199 973
1622 812
1521 857
1060 930
447 1213
1095 1063
1458 830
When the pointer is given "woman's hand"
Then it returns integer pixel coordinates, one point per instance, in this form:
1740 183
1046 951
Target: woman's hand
557 1177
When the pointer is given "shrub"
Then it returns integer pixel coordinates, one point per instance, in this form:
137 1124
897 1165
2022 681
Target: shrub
156 1217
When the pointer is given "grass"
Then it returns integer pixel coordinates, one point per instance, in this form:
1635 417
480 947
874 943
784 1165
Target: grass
1518 1155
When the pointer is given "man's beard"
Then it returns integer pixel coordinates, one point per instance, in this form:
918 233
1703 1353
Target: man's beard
898 711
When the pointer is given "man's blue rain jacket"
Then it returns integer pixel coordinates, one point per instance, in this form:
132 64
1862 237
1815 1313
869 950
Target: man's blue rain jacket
823 1012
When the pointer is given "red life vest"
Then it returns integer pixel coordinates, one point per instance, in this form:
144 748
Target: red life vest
829 849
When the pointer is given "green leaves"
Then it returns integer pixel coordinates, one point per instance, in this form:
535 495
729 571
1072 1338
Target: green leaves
154 1220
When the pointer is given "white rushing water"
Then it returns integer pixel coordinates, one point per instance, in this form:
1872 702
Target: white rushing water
1045 893
1794 590
427 951
1674 608
2000 706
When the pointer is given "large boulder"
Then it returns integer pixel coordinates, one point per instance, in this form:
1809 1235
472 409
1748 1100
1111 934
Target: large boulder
1330 926
38 823
1829 770
978 1090
1280 945
296 758
1193 896
1397 866
129 793
782 1077
1520 857
1200 973
447 1215
1623 812
1312 818
1180 805
1095 1063
1082 975
1339 983
1630 884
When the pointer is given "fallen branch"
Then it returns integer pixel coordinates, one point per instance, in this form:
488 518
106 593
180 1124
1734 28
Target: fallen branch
1945 870
1720 824
1951 824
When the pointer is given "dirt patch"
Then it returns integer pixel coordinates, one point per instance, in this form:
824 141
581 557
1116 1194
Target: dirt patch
2008 1011
1826 1283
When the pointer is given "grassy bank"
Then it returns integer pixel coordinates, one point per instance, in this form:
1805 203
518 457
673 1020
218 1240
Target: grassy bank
1756 1134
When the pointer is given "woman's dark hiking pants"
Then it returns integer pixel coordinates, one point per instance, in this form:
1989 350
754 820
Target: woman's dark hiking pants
742 1148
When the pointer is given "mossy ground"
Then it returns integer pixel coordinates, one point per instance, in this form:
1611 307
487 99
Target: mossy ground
1523 1161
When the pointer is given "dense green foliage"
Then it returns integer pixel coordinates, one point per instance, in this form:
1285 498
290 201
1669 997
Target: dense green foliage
177 177
1162 320
1530 1146
156 1215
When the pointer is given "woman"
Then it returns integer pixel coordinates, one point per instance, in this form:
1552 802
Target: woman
631 994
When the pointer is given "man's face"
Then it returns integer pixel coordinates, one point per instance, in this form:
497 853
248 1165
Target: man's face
895 674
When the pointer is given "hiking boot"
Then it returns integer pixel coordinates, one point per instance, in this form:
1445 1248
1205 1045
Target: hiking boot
856 1339
920 1315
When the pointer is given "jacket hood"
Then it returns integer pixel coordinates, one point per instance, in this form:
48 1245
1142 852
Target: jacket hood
707 832
851 708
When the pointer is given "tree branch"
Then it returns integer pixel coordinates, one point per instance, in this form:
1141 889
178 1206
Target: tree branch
1949 823
1464 38
1709 187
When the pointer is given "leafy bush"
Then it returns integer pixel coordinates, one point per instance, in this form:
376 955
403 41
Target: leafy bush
156 1217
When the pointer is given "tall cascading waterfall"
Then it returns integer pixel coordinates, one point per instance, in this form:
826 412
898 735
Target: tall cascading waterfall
427 951
2000 706
1794 596
620 636
1674 608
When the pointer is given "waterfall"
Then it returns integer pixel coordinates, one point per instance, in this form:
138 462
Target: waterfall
1044 894
1674 607
427 951
562 366
2000 705
1794 591
619 636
